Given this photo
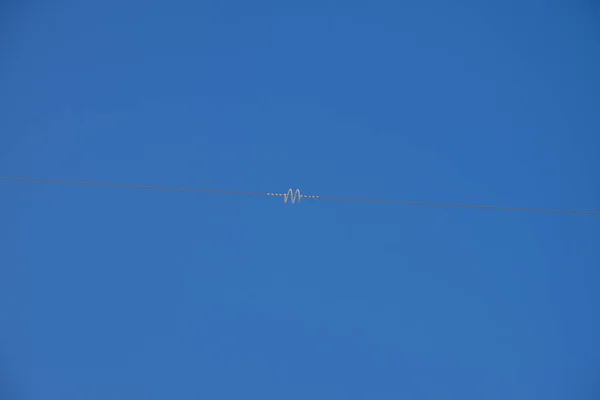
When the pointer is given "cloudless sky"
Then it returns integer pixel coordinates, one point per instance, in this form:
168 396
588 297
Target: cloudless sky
110 293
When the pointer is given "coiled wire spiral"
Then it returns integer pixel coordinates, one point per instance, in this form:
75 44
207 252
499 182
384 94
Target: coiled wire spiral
293 196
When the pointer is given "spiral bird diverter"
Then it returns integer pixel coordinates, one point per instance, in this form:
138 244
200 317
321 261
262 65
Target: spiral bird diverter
293 196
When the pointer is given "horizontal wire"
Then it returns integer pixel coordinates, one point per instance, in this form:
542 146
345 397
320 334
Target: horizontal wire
356 199
449 205
122 185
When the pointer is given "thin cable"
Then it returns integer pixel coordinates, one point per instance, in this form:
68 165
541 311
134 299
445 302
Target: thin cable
121 185
426 204
363 200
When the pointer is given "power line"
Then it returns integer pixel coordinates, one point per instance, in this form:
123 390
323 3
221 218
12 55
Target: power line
296 196
121 185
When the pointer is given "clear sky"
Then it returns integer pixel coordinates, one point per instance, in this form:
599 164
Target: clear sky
109 293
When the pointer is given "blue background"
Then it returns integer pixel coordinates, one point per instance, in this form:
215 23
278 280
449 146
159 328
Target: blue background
110 293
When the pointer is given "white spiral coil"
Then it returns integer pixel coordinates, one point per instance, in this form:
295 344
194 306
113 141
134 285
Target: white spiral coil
293 196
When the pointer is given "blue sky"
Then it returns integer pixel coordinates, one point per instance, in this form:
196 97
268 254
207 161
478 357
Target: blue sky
118 293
